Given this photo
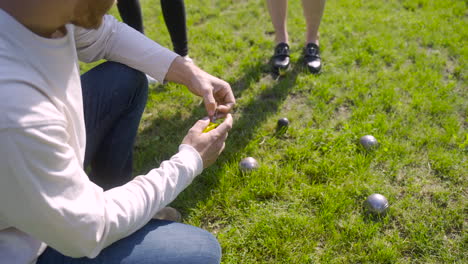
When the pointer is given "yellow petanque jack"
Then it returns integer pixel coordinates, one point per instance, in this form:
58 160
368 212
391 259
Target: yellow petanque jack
213 124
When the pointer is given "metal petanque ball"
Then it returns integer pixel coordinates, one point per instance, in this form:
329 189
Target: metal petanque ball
369 142
283 122
248 164
282 126
376 204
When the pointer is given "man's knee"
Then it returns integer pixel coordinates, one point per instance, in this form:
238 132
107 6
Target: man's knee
134 82
140 87
183 243
209 251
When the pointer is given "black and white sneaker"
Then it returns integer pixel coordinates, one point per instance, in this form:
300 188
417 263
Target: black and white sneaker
280 60
312 58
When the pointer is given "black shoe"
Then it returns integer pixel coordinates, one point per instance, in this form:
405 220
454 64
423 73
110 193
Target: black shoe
312 58
280 60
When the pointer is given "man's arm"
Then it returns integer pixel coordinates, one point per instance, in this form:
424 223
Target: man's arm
46 193
118 42
216 93
115 41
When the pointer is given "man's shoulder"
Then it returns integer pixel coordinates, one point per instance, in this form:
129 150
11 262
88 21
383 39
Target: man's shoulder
23 85
22 96
23 105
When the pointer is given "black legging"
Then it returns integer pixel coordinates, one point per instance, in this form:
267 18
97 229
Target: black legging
174 16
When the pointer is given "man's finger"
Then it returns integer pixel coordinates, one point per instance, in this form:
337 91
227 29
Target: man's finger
210 104
223 94
225 108
201 124
225 126
222 148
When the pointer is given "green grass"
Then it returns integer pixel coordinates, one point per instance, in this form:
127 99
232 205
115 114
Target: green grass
393 69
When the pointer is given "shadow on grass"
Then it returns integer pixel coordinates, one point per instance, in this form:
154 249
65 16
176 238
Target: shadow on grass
162 138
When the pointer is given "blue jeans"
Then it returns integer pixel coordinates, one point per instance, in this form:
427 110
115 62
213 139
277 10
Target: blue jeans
158 242
114 97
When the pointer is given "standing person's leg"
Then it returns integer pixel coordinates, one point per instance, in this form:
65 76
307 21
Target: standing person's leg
114 97
175 18
278 13
161 242
313 11
130 11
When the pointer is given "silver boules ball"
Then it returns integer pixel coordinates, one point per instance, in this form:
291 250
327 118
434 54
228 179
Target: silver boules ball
283 122
282 125
369 142
376 204
248 164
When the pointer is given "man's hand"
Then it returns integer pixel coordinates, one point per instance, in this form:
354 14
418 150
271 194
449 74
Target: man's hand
217 94
209 144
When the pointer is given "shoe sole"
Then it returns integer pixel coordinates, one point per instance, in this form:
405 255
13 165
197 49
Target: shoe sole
314 71
281 71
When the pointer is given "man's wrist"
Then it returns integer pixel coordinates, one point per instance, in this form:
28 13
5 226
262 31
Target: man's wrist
182 71
190 153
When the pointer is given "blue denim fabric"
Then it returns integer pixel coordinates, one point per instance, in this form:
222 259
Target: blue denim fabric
158 242
114 97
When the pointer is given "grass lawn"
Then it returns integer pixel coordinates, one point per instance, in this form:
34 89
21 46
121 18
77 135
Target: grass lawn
394 69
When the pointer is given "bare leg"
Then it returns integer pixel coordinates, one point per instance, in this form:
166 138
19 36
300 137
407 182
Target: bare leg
278 11
313 11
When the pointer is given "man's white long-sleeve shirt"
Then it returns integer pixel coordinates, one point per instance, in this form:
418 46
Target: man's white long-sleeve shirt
46 198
